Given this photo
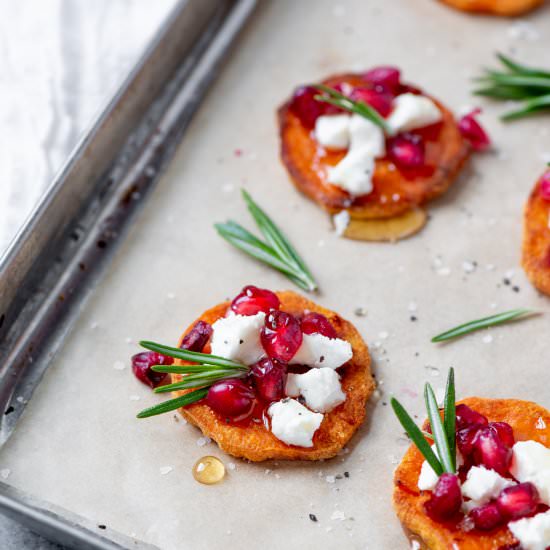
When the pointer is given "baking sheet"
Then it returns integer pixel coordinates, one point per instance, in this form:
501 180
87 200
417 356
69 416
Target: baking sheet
78 444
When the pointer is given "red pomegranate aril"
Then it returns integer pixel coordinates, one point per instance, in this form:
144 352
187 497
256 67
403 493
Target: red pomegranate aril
518 501
197 337
269 377
406 151
231 398
386 76
141 367
467 417
381 101
281 336
504 432
472 131
487 517
465 439
545 186
307 108
490 451
252 300
446 498
313 323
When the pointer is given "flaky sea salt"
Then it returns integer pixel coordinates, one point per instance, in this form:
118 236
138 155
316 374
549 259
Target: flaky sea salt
338 515
341 222
134 398
202 441
119 365
231 465
541 424
167 469
487 339
330 479
5 473
468 267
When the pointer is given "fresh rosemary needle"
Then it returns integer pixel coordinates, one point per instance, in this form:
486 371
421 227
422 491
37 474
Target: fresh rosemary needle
276 251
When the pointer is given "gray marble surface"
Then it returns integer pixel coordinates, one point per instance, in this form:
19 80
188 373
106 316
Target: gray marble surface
60 62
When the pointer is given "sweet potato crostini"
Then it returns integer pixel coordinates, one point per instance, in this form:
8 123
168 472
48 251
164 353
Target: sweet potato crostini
497 496
536 235
406 149
495 7
300 385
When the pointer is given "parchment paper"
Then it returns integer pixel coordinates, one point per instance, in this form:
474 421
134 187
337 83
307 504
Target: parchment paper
79 444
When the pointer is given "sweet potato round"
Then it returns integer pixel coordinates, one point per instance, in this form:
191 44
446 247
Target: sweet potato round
408 501
307 162
256 443
536 240
495 7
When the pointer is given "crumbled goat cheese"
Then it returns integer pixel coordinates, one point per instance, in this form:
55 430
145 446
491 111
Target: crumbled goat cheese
482 485
412 111
318 350
531 462
533 533
320 388
292 423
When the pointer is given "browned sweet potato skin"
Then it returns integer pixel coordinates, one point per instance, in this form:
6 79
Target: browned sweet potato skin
408 501
254 442
536 240
306 163
496 7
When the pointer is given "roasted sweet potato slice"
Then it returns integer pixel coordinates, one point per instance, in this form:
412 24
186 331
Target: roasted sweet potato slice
536 240
496 7
253 441
408 501
393 193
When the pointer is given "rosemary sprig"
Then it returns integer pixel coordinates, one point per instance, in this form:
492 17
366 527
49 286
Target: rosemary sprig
207 370
277 252
443 432
518 82
485 322
333 97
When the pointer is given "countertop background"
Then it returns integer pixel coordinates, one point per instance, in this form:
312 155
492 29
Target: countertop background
60 62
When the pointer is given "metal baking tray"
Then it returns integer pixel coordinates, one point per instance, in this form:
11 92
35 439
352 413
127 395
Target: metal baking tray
60 252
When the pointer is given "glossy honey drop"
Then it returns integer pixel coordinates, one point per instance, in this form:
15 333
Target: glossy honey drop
209 470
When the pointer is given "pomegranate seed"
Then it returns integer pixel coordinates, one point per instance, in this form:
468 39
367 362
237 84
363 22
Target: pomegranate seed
545 186
385 76
141 367
490 451
466 417
231 398
282 336
252 300
197 337
504 432
518 501
316 323
269 377
381 100
472 131
406 151
465 439
446 498
487 517
307 108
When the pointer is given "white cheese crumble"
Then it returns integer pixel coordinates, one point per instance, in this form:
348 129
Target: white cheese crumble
318 350
292 423
412 111
482 485
428 478
533 533
320 388
332 131
237 337
531 462
354 172
341 222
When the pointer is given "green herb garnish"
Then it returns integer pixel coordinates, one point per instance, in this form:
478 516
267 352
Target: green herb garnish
276 251
528 85
206 370
443 432
330 95
486 322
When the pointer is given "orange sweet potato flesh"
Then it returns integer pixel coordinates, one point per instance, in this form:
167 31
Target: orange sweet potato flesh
306 162
496 7
408 501
256 443
536 240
